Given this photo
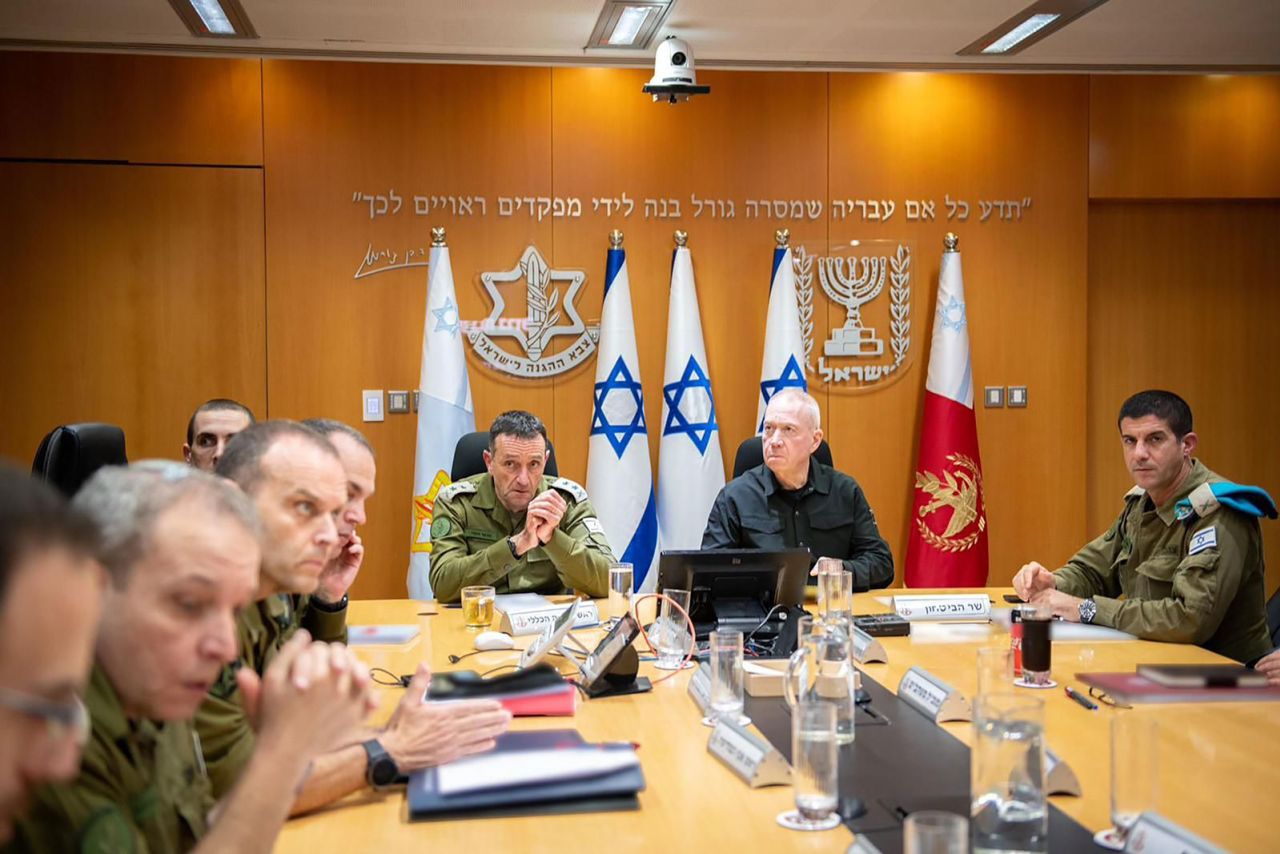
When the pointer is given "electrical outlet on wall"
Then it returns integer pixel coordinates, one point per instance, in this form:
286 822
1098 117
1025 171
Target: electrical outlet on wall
993 396
397 402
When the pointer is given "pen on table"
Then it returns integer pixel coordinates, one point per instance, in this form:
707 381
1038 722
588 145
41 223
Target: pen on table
1081 699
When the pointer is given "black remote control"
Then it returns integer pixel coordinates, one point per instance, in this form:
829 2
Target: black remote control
883 625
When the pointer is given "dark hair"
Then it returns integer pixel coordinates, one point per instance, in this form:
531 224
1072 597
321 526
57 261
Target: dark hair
242 460
1165 405
328 426
212 405
518 423
34 516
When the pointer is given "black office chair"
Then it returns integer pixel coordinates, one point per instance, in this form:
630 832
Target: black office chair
70 454
751 454
1273 618
468 457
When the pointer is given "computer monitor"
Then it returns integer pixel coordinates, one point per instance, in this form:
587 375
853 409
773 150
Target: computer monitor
734 588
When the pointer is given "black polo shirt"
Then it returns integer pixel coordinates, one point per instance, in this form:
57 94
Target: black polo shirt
829 516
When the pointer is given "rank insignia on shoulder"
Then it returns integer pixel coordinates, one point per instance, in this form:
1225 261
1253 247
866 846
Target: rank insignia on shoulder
1206 538
565 485
458 487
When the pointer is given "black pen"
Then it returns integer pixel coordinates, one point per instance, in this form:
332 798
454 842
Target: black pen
1081 699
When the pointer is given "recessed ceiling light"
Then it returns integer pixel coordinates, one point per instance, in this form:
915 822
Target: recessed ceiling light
214 18
1029 26
629 24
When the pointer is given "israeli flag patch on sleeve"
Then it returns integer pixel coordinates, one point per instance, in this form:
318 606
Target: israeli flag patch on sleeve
1204 539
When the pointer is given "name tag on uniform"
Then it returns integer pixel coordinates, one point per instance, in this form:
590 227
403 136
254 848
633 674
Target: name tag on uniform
1201 540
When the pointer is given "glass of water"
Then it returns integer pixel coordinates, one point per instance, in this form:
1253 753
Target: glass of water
620 576
726 678
935 832
1008 807
673 631
1134 752
814 767
835 589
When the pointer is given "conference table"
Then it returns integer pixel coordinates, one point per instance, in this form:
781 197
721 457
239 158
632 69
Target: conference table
1219 763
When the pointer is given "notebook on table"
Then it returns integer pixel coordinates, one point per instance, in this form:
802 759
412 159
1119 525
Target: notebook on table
1203 675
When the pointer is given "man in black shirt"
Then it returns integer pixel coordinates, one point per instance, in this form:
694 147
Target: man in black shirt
795 501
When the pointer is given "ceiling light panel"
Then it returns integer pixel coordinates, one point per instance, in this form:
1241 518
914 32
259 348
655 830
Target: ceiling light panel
629 24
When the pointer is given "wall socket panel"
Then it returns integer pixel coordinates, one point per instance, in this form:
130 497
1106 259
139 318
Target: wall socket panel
397 402
371 408
1017 396
993 396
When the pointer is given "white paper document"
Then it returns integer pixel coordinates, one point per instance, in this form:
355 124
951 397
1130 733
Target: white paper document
524 767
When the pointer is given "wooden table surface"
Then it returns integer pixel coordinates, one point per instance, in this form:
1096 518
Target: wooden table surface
1219 765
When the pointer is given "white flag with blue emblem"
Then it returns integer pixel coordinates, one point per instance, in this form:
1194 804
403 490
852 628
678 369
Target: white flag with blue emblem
619 476
783 365
690 465
445 411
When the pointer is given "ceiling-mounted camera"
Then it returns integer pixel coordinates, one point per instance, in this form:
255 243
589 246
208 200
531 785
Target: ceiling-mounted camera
674 79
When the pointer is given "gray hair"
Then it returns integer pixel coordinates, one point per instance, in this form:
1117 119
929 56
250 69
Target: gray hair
807 402
241 462
328 426
124 502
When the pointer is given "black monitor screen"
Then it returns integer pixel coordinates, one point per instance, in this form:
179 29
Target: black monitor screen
735 588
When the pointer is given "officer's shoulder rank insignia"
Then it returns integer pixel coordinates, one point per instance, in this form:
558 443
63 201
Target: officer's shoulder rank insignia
565 485
453 490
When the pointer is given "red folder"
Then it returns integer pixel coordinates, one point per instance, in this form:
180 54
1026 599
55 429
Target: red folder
1132 688
556 701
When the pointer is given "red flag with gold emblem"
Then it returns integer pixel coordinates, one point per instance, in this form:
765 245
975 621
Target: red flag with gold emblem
947 545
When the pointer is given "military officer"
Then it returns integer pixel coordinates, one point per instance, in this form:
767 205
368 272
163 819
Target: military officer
1185 553
514 527
795 501
181 549
212 425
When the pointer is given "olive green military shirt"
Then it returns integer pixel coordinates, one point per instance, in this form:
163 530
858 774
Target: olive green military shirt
469 532
262 629
1198 579
141 787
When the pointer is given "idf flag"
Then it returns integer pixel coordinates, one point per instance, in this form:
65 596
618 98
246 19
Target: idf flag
783 365
619 477
947 546
445 411
690 466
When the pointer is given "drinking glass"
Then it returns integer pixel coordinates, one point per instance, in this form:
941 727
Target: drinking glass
1006 778
1134 753
620 577
835 589
822 668
726 677
995 670
935 832
673 632
1037 649
477 606
814 766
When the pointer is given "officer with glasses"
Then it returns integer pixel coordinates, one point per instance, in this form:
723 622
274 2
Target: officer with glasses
50 601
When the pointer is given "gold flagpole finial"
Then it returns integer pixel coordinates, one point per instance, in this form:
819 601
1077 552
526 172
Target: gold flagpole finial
615 239
783 236
682 237
437 236
950 241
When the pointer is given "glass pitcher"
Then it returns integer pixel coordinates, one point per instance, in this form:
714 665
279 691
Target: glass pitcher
822 668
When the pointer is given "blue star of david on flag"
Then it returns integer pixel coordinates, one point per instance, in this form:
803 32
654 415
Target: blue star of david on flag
952 314
619 381
791 377
446 317
693 379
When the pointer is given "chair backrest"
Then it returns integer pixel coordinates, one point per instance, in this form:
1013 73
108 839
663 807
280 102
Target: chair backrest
751 454
468 456
70 454
1273 618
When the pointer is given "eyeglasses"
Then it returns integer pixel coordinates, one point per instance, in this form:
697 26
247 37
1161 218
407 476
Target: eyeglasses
1106 699
68 719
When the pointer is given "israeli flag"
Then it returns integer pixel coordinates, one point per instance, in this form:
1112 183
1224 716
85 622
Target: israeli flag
445 410
619 477
783 365
690 465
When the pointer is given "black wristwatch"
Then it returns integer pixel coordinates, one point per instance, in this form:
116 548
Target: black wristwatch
382 770
1088 610
511 544
328 608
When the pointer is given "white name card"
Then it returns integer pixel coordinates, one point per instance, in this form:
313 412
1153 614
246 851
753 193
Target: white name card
1155 834
536 622
1059 778
753 759
867 649
700 687
932 697
948 607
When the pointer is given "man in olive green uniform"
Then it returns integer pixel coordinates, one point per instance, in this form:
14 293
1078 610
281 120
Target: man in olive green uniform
1188 565
181 548
515 528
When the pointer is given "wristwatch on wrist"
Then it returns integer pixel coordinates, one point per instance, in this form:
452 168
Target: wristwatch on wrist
381 771
511 544
1088 610
329 607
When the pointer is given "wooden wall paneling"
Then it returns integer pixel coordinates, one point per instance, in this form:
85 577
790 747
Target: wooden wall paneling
756 136
334 129
977 137
1179 136
1184 296
144 109
131 295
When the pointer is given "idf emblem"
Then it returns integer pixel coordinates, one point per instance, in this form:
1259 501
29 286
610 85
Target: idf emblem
550 314
959 489
871 282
